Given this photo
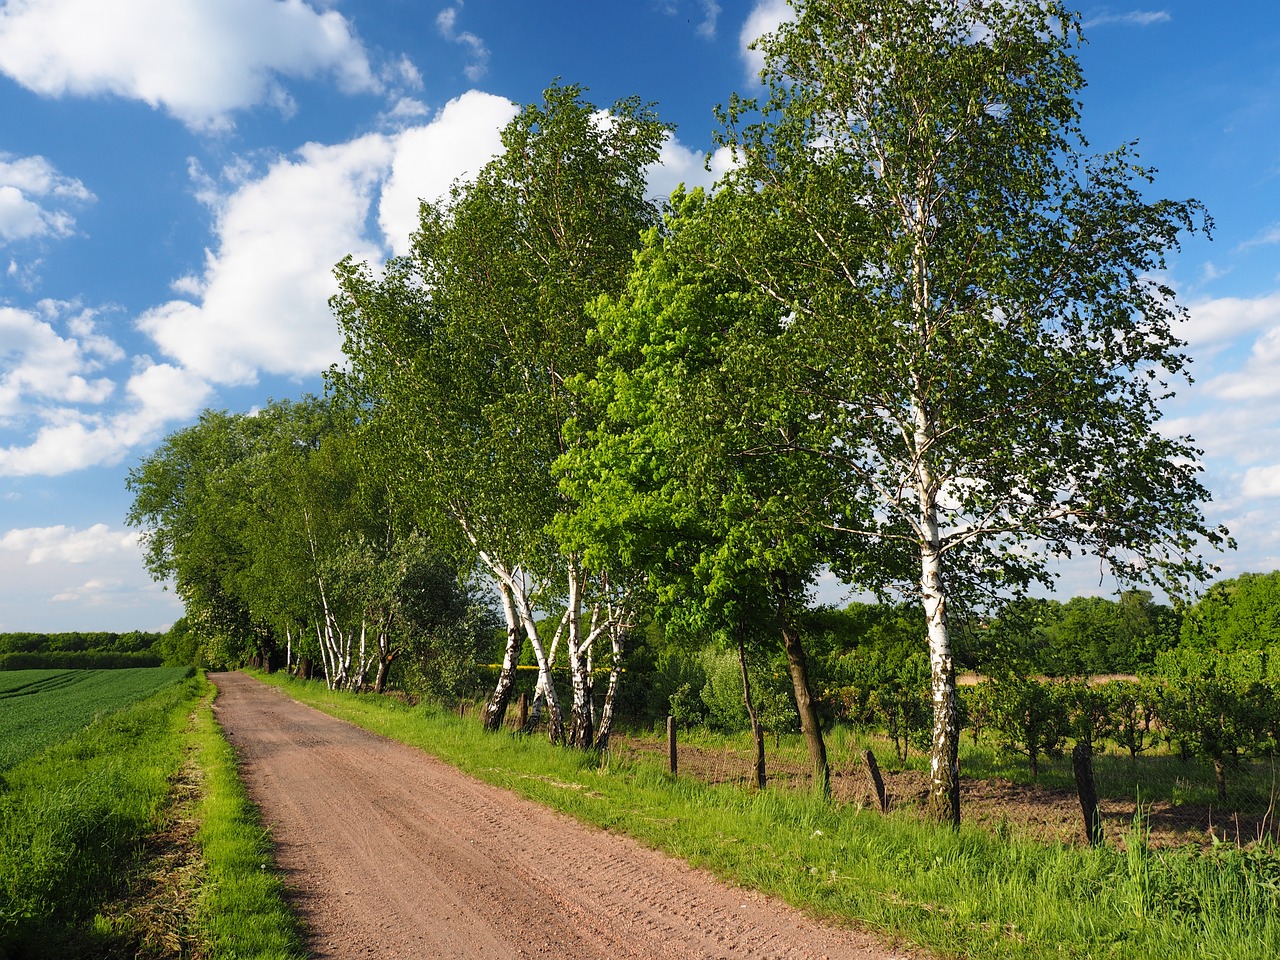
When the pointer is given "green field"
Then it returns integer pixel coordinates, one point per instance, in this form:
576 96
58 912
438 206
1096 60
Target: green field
39 708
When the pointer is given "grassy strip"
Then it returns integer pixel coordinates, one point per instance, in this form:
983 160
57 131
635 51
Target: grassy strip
962 892
242 912
71 820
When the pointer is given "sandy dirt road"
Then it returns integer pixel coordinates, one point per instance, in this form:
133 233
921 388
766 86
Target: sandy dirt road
390 853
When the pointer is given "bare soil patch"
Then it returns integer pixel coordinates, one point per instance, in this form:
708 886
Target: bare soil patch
391 853
1030 811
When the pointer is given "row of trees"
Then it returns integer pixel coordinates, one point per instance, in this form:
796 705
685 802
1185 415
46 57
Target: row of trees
285 546
916 335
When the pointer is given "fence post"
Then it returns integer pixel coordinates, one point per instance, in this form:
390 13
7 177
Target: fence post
524 711
671 744
877 781
1087 789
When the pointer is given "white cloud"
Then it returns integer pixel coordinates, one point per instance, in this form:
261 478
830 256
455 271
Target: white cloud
679 164
1258 378
447 24
200 61
260 304
710 14
765 17
42 366
95 575
72 438
264 291
462 138
27 185
1261 482
1213 322
65 544
1134 18
1267 237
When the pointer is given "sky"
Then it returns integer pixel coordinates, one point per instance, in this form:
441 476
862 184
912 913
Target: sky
179 177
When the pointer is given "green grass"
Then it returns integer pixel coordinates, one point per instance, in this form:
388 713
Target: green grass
71 819
243 913
962 892
39 708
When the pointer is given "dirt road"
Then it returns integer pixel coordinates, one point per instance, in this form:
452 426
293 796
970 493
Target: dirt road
391 853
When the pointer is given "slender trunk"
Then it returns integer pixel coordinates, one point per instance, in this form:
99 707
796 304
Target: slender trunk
615 676
581 731
555 717
944 760
757 734
797 666
495 710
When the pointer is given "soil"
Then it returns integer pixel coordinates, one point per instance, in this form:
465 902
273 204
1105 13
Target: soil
1029 811
390 853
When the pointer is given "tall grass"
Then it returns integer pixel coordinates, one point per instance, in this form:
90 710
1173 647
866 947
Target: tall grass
72 817
963 891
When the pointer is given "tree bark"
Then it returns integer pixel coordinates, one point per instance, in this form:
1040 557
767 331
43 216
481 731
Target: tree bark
495 711
944 760
797 666
757 734
611 692
1087 790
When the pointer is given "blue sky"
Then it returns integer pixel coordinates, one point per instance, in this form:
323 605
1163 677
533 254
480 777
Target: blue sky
178 177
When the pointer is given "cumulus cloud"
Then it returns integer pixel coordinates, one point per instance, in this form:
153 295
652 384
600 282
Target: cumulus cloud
1259 377
44 366
263 293
34 199
1261 482
710 16
198 61
462 138
75 436
678 164
1214 322
95 574
66 544
447 24
765 17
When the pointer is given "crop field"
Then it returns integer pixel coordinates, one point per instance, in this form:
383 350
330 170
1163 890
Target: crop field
39 708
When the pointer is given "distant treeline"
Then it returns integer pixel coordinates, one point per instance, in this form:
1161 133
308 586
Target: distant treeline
75 651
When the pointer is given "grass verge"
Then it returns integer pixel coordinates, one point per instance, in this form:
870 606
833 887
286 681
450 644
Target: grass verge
963 892
242 912
100 858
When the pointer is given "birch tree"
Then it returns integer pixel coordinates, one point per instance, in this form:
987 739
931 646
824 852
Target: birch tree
983 299
459 354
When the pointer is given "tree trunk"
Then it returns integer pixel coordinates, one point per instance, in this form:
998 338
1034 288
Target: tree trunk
757 734
495 711
944 760
797 666
581 724
1087 791
615 677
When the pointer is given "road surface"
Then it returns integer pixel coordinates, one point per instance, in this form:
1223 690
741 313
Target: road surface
389 852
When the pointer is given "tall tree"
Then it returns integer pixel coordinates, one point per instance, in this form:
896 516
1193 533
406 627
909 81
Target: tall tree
460 354
982 298
698 472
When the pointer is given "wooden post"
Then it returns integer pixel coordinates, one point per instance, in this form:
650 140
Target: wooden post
671 744
462 709
524 711
1087 789
877 781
